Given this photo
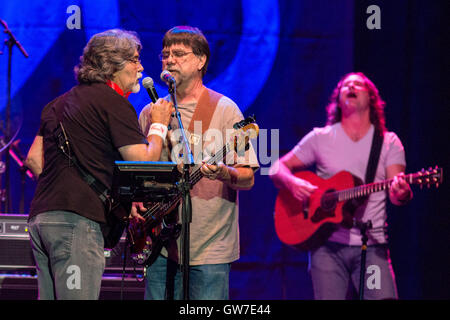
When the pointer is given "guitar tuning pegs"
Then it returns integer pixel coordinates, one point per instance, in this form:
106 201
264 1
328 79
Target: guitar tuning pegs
436 183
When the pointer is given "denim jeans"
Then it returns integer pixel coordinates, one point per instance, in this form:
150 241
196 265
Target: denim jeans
69 255
335 271
164 281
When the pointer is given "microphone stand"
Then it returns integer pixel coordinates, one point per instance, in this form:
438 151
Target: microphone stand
188 161
10 43
363 227
17 155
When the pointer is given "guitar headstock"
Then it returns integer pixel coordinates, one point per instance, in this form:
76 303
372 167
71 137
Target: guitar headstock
428 177
245 130
249 120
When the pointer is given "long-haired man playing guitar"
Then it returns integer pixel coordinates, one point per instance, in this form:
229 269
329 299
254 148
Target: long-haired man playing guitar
355 113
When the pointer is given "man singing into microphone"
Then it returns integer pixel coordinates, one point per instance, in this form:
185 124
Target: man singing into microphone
214 231
101 126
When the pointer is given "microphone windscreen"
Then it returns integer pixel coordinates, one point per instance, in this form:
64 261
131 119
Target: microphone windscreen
166 75
147 82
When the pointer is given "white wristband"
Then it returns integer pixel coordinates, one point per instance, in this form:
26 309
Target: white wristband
158 129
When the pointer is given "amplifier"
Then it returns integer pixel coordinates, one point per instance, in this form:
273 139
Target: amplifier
15 248
16 254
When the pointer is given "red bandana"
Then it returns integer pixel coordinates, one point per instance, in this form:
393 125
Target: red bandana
116 88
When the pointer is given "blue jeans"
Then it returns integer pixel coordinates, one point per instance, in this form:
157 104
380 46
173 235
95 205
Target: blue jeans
69 255
335 271
164 281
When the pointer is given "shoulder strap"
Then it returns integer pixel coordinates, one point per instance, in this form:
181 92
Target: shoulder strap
377 143
205 108
63 143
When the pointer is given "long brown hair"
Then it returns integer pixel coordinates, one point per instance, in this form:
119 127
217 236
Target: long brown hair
377 118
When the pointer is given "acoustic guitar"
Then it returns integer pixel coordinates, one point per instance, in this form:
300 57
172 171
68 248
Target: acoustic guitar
333 203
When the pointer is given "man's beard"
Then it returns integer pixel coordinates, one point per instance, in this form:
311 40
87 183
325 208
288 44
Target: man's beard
137 86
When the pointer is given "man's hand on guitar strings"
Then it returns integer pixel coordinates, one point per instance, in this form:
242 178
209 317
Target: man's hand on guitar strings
136 208
216 171
301 189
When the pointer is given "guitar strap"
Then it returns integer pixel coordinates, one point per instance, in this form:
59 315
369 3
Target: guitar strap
114 226
63 143
206 106
377 143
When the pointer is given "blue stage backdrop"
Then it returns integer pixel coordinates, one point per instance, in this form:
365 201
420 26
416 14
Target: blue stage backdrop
279 60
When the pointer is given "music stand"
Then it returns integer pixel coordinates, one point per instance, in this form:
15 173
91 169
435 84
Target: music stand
145 181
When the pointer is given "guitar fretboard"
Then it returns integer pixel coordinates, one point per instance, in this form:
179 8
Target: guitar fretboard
367 189
363 190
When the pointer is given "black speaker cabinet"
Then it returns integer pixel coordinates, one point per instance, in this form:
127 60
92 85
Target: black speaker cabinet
15 248
18 279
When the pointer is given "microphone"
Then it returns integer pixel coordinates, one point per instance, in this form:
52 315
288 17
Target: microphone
167 77
147 83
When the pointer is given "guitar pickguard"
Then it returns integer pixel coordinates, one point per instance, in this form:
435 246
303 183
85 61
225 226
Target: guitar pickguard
321 214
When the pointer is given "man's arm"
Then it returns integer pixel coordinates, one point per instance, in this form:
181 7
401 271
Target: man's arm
143 152
161 112
35 156
400 192
238 178
282 176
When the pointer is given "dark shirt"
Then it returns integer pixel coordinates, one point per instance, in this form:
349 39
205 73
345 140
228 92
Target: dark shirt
97 121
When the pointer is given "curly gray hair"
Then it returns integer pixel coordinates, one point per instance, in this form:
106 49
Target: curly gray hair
105 54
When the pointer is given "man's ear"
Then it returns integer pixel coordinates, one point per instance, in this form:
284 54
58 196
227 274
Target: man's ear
202 62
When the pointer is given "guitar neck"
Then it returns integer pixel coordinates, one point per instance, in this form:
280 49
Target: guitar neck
196 174
367 189
161 208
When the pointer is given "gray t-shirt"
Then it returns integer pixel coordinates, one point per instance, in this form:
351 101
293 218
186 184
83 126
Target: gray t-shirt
331 150
214 229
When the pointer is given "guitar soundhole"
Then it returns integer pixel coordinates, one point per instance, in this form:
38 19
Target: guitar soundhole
328 203
329 200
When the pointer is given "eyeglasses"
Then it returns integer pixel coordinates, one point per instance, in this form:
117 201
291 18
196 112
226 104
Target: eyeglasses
177 54
135 60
